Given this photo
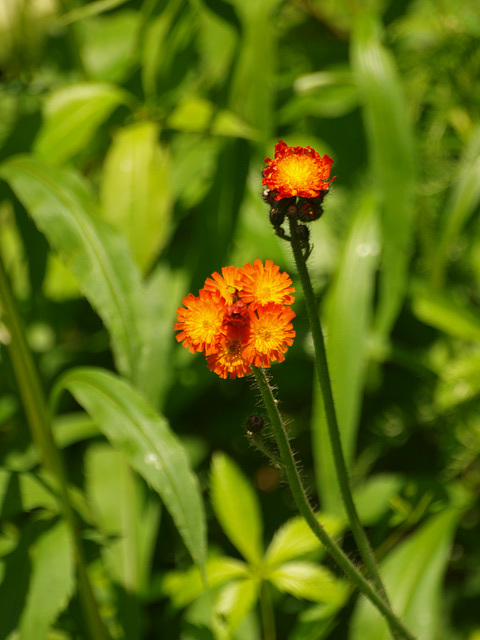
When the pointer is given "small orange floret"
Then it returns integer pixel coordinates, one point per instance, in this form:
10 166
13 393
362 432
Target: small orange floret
271 333
264 284
201 322
297 171
228 360
226 285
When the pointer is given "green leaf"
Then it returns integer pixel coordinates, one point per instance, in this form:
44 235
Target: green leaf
163 290
182 587
109 45
310 581
15 575
462 203
447 314
373 498
72 116
23 492
136 192
61 207
236 507
413 575
51 583
91 9
324 94
198 115
295 538
236 600
459 380
128 517
252 90
133 427
349 310
391 145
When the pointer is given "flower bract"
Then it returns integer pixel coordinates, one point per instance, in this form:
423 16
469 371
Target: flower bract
297 171
241 318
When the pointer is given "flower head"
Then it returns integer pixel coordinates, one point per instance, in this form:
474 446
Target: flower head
239 319
264 284
201 322
226 285
228 360
271 333
297 171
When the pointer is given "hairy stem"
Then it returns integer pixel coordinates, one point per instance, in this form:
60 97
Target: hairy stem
321 365
307 512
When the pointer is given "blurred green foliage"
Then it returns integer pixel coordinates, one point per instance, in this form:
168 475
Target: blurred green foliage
132 139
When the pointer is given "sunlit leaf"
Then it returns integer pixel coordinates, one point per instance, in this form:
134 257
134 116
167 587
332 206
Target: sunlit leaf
295 538
147 441
62 208
440 310
184 587
197 115
393 169
310 581
136 191
71 117
109 45
236 507
373 498
236 600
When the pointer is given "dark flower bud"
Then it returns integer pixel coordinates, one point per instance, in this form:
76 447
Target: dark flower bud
310 211
255 424
303 233
276 217
269 196
292 210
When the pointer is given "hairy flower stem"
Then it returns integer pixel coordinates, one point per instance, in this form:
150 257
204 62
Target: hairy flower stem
40 426
321 365
298 492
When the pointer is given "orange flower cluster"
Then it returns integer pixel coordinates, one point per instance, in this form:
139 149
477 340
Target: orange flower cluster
241 318
297 171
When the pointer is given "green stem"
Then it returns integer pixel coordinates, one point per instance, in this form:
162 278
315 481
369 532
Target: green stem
268 619
39 422
331 416
306 510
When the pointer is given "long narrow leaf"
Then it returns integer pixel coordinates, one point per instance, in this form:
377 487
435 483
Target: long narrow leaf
61 207
132 426
348 319
72 115
391 147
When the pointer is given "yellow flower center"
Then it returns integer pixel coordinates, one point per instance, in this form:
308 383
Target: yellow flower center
296 170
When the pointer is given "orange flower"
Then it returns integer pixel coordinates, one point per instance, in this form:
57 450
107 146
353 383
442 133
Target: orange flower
240 319
201 323
297 171
228 360
226 284
271 333
262 285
